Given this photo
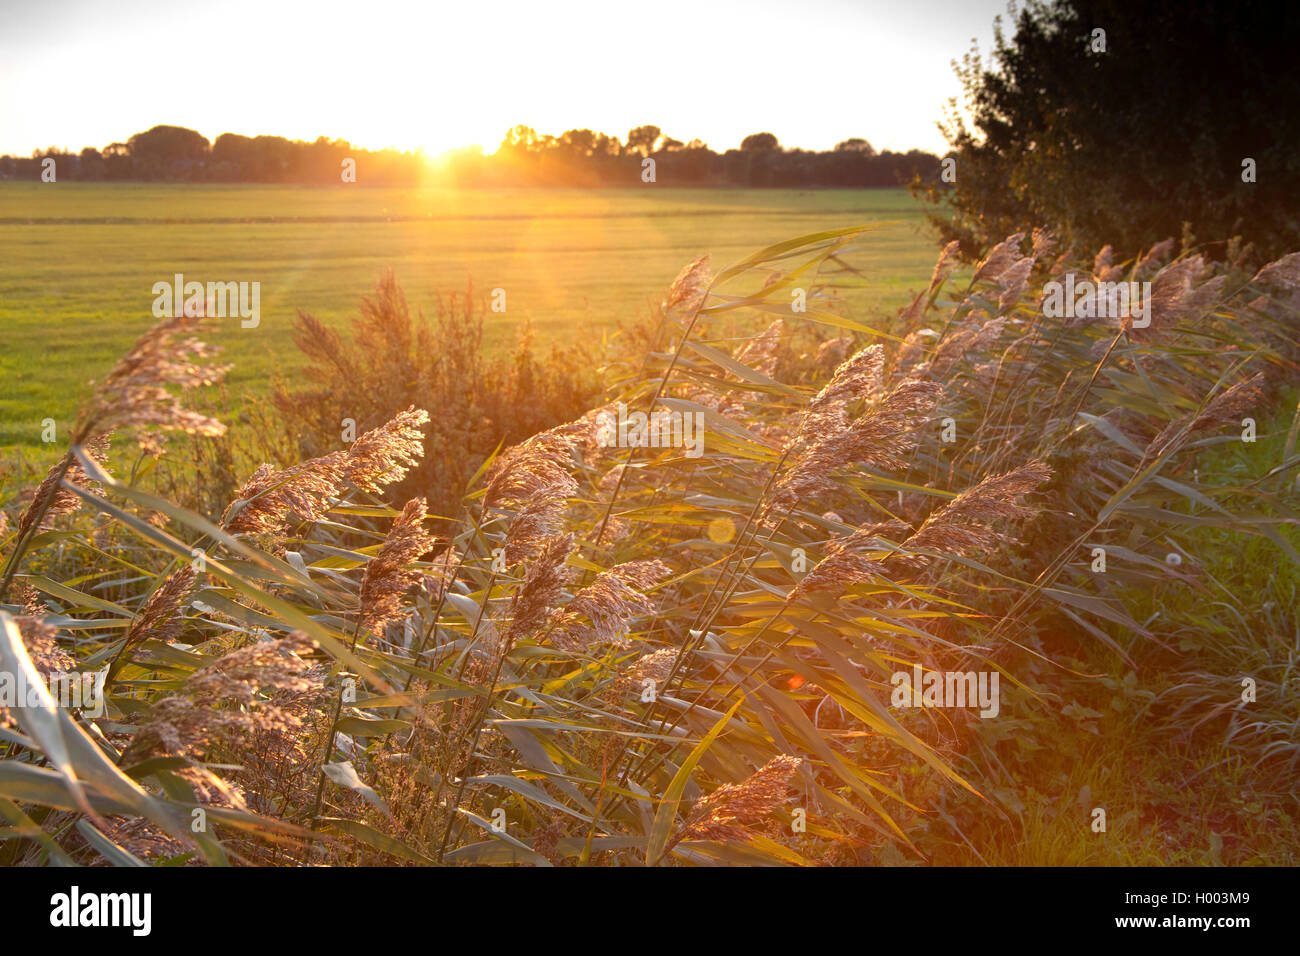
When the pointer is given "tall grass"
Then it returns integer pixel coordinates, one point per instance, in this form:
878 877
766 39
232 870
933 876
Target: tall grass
622 655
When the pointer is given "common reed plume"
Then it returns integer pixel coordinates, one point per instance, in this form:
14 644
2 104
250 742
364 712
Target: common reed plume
388 574
1155 258
1000 258
832 352
444 567
535 523
57 499
41 641
143 839
881 439
1226 408
1013 281
944 267
1044 242
318 341
655 666
1176 294
1281 279
964 525
962 343
616 529
159 618
533 480
849 560
537 468
381 456
1103 268
857 378
135 393
532 604
540 591
909 354
231 698
602 612
270 498
735 811
688 290
761 353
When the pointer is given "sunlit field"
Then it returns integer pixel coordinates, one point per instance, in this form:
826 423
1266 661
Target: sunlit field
81 259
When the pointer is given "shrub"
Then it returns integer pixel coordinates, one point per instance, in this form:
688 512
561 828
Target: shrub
394 360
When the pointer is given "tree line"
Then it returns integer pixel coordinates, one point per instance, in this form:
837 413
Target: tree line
578 157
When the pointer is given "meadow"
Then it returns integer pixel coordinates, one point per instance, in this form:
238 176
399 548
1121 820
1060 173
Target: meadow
79 261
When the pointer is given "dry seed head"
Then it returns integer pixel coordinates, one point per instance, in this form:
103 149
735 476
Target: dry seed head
946 265
388 576
63 501
379 457
760 354
269 498
159 617
538 467
135 393
849 560
1283 273
856 378
1104 259
881 439
1044 242
1000 258
965 342
544 582
41 640
689 288
1281 279
602 612
233 697
656 666
732 812
1157 256
383 455
963 526
444 568
540 520
833 351
1013 281
909 352
1226 408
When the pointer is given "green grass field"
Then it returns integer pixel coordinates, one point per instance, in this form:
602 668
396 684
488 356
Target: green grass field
79 262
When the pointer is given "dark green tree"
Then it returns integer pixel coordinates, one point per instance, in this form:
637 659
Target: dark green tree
759 142
1118 121
642 139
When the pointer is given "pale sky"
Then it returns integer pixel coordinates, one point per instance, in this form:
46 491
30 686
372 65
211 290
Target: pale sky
438 75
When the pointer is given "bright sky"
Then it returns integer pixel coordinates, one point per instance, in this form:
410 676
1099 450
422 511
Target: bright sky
439 75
